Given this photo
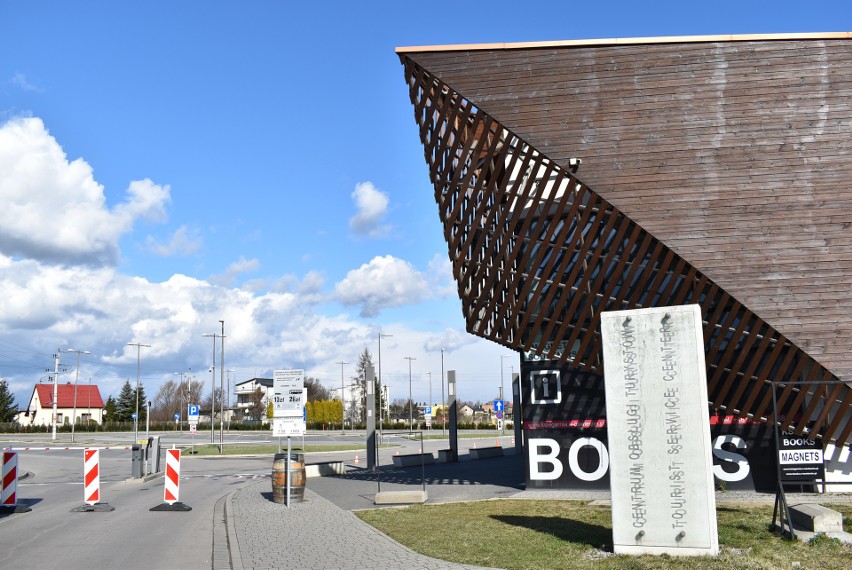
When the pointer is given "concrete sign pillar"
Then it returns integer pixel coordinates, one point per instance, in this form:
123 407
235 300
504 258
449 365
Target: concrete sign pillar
452 408
370 397
663 499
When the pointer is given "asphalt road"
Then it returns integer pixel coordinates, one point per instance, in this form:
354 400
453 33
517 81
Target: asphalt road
130 536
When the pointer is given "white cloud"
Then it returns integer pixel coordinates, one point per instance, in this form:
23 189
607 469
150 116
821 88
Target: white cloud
372 205
450 340
383 282
20 81
183 242
53 210
242 265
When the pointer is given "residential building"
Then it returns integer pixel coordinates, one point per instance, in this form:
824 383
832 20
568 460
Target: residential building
81 405
245 392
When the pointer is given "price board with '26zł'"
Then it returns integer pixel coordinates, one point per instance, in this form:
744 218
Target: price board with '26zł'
287 393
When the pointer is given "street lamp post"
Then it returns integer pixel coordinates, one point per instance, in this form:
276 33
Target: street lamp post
381 385
222 393
342 399
443 398
183 391
502 423
410 404
55 390
138 346
213 387
76 380
228 398
429 403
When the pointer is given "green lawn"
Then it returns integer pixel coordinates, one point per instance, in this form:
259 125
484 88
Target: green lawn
522 534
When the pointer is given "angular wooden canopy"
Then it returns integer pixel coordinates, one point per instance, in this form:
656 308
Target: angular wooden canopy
578 177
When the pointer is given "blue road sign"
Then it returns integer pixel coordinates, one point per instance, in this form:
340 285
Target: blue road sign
498 405
177 417
133 415
193 410
427 410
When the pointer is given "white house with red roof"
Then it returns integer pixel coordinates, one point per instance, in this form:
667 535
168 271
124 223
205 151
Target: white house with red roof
80 405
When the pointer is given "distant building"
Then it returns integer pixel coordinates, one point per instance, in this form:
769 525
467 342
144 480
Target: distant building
245 391
80 406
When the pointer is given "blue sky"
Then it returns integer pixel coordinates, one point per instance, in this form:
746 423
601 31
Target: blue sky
165 165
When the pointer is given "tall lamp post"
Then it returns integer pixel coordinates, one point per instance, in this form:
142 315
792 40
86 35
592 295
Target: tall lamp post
55 390
410 408
443 398
381 385
184 393
342 399
228 398
502 423
429 403
76 380
214 336
138 346
222 393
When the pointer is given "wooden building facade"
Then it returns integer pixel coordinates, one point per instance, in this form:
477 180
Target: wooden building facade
585 176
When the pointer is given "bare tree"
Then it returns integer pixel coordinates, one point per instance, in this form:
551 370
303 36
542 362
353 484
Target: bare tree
316 391
167 402
257 409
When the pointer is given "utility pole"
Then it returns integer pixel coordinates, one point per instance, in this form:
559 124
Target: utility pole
381 385
76 380
342 399
213 389
443 398
138 346
410 403
503 421
55 389
222 394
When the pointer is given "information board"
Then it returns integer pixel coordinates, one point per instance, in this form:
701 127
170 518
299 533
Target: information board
655 378
800 459
288 393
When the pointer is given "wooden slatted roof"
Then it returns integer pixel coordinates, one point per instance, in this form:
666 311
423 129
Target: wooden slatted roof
713 171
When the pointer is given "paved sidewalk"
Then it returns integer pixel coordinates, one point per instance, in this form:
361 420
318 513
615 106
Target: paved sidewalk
313 534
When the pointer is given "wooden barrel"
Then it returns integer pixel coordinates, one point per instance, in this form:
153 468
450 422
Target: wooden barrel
297 478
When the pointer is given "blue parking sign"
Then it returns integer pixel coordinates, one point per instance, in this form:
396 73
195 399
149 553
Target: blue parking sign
193 410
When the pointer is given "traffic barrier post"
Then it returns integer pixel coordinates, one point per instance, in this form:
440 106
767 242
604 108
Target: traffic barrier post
9 485
171 486
92 484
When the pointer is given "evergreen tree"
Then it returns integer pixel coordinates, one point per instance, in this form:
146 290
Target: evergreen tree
143 409
365 360
8 408
110 410
126 404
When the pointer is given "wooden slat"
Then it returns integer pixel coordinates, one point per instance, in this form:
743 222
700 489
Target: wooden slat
538 254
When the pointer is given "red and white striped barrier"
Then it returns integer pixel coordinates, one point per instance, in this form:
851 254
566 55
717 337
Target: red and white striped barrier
92 484
91 476
9 493
171 490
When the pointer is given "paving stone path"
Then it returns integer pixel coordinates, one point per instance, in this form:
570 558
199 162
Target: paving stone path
313 534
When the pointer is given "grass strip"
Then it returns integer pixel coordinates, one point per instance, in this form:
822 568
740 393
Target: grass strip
521 534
